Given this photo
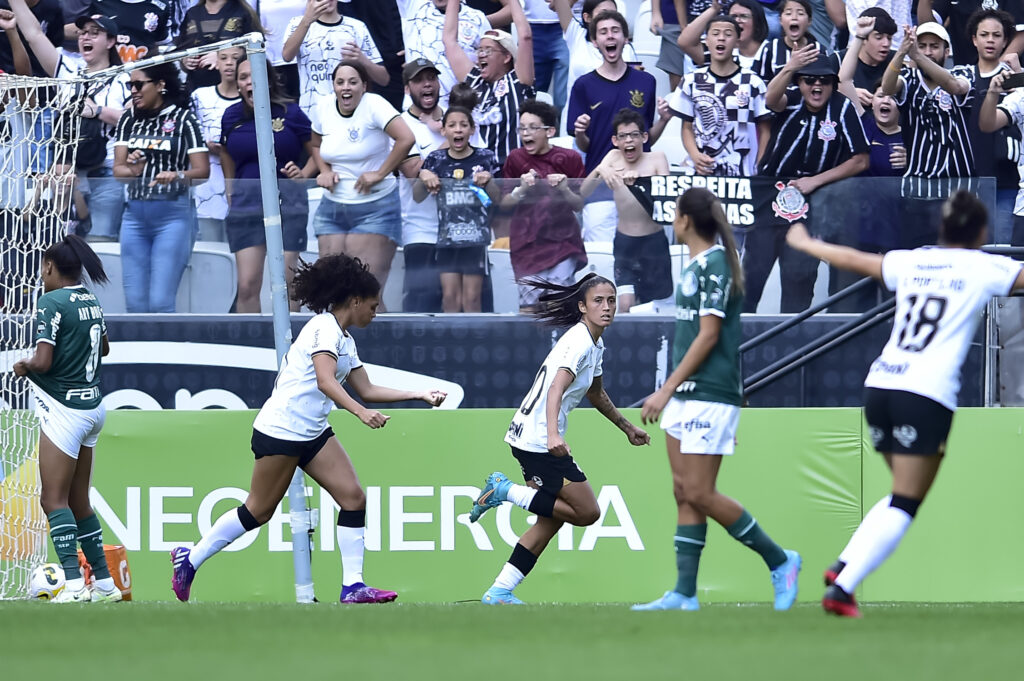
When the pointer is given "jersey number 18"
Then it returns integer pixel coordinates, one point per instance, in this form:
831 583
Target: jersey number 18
919 324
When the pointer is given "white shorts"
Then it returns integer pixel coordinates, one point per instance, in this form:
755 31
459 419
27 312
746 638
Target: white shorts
600 220
701 427
69 429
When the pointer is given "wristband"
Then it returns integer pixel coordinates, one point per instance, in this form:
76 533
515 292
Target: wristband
890 67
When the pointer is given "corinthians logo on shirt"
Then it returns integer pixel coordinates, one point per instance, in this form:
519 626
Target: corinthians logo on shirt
636 98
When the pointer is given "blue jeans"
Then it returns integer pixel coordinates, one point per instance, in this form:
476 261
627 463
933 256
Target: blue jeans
550 61
1002 221
156 243
106 203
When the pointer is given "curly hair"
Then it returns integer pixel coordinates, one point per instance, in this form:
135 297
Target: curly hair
331 281
559 305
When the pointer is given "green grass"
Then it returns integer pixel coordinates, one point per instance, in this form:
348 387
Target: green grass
470 641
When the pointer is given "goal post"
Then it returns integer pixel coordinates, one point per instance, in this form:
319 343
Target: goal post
22 526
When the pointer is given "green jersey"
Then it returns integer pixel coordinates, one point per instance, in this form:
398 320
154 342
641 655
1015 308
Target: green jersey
71 320
705 288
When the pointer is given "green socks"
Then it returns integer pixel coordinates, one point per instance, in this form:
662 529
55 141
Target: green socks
64 534
748 532
689 544
90 536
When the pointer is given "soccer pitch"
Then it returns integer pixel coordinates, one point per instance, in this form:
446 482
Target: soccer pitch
472 641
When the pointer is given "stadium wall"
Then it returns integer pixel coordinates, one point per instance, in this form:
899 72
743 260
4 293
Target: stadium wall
161 478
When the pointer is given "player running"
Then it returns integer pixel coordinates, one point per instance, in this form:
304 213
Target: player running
71 339
292 429
556 489
911 389
701 403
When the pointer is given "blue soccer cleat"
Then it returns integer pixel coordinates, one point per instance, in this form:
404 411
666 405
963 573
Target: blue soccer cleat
497 596
784 581
495 491
672 600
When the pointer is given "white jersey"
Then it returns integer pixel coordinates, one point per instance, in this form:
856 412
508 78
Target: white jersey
419 220
576 352
940 293
297 409
422 27
209 105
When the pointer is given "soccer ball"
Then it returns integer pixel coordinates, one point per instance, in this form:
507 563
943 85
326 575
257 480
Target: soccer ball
46 582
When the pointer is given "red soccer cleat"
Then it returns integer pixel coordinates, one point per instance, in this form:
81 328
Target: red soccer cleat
838 602
832 572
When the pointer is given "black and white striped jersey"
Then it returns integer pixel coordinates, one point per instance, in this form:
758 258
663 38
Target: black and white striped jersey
935 126
497 113
166 138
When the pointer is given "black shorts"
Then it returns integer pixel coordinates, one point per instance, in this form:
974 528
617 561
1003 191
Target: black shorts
463 260
901 422
645 264
264 445
549 472
244 224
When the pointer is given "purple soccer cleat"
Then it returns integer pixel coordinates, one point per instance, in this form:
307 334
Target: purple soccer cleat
184 573
360 593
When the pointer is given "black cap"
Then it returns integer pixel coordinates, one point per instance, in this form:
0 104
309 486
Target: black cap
413 68
106 23
822 66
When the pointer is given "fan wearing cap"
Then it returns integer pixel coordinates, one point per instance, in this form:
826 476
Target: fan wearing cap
935 103
817 138
423 35
502 77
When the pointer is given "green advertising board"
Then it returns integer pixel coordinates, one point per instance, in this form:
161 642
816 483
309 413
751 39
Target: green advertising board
162 478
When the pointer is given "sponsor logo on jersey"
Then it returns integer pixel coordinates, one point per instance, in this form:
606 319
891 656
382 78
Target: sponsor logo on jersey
906 435
150 143
891 369
515 429
696 424
686 387
790 203
83 394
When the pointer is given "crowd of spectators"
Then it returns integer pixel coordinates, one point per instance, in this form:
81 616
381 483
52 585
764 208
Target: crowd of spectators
523 124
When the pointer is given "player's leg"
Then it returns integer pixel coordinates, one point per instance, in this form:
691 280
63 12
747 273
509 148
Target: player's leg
520 563
90 534
333 470
451 292
249 262
472 290
56 471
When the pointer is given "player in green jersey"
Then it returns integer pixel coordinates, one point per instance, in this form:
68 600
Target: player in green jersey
701 403
71 338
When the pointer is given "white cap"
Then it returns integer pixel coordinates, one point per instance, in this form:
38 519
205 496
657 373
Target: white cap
937 30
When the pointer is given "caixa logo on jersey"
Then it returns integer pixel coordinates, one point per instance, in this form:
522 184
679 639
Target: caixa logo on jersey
219 376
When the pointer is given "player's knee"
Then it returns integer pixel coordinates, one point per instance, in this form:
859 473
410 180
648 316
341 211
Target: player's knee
587 515
354 500
255 514
699 498
249 289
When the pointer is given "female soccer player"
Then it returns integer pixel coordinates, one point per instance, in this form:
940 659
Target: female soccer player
556 489
701 403
292 430
71 338
911 389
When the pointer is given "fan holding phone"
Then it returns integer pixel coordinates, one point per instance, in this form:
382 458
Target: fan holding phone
998 112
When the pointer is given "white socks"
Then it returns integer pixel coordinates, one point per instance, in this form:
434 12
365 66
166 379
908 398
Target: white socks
859 534
350 543
510 576
874 541
227 529
521 496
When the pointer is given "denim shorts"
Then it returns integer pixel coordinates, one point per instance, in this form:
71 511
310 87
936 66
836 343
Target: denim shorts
382 216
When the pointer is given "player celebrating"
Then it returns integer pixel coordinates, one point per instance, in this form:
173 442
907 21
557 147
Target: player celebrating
701 403
71 338
556 489
911 389
292 430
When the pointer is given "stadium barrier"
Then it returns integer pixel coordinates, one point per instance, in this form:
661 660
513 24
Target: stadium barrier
807 475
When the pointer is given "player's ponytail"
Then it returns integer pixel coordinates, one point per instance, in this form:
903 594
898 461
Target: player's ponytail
559 306
71 255
964 219
709 221
331 281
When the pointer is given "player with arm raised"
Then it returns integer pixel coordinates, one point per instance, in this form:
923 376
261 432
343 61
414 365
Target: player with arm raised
71 339
292 429
911 389
556 489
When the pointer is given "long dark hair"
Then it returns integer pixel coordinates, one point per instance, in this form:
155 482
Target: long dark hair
331 281
71 255
709 221
168 73
760 21
964 218
559 305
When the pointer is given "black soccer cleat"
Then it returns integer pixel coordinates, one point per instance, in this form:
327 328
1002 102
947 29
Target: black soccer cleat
838 602
832 572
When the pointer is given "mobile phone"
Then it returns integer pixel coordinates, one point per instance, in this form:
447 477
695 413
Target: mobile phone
1014 80
638 65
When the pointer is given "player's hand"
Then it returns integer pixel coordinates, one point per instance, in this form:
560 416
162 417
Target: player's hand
657 23
864 27
373 418
797 236
164 177
653 406
434 398
805 185
704 164
638 436
291 171
431 181
20 368
481 178
580 125
557 445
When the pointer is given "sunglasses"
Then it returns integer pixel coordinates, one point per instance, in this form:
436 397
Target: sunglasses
137 84
815 80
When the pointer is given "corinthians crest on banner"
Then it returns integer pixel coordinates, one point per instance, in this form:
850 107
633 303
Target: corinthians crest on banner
790 204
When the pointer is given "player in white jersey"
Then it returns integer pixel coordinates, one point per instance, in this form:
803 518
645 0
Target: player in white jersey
292 429
556 489
911 389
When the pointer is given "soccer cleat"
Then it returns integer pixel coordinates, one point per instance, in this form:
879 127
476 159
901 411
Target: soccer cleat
784 581
100 595
832 572
838 602
184 573
498 596
495 491
360 593
83 595
672 600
